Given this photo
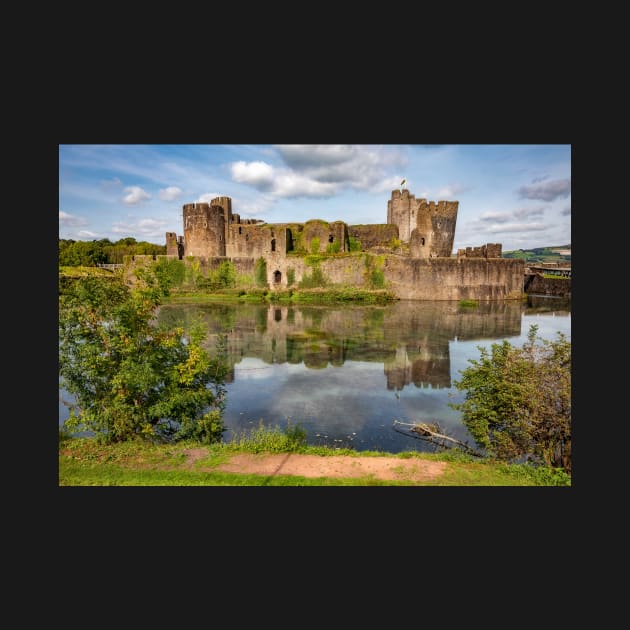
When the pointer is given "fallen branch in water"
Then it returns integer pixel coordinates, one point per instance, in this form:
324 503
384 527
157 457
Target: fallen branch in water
432 433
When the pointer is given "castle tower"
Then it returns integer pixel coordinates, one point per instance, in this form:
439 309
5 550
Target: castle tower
226 204
427 226
204 229
171 244
401 209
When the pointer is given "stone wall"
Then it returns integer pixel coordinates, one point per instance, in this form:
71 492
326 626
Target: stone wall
375 235
490 250
434 221
417 279
454 279
204 230
327 233
535 283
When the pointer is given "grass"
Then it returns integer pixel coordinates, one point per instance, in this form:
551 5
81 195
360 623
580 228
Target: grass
79 272
319 295
86 462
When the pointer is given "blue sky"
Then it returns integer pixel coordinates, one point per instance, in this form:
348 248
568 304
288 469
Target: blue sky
517 195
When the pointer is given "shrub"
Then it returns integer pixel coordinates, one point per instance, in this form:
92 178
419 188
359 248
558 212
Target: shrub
354 244
260 272
290 276
130 378
315 245
518 400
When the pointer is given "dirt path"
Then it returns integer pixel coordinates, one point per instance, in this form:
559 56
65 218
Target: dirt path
385 468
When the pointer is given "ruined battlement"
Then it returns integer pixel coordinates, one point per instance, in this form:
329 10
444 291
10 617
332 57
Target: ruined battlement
490 250
427 229
428 226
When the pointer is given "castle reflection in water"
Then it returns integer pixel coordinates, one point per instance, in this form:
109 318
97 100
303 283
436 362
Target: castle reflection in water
410 339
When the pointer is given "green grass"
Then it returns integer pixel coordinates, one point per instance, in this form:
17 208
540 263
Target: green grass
468 303
86 462
317 295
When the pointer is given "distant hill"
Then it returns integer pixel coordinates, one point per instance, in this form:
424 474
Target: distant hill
554 253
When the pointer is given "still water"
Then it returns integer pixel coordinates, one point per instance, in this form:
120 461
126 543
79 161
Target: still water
346 373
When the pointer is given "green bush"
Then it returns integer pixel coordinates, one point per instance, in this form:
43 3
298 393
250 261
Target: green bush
333 248
316 278
290 276
133 379
354 244
315 245
518 400
260 272
377 279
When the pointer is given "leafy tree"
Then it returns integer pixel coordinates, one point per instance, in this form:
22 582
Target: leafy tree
129 376
518 400
81 253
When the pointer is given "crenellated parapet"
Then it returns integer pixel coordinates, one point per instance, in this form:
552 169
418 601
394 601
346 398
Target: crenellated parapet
428 226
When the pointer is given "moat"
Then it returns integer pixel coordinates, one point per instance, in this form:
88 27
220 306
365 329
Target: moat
345 373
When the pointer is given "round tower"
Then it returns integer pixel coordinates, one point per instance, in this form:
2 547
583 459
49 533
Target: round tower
204 230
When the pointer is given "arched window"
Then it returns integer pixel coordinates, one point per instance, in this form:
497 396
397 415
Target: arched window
277 277
330 238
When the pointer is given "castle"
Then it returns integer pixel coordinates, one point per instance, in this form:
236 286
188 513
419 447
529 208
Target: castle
416 240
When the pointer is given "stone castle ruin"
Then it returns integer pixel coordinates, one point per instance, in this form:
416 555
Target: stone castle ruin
415 249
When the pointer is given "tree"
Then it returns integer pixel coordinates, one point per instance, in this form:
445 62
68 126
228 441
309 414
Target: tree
131 378
518 400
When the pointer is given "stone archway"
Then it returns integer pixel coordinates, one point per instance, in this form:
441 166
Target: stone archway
277 277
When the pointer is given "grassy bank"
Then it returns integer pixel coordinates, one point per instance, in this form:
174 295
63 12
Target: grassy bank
85 462
332 295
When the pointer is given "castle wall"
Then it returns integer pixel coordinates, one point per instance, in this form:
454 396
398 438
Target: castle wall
376 235
172 248
416 279
537 284
434 223
327 233
454 279
490 250
204 230
226 204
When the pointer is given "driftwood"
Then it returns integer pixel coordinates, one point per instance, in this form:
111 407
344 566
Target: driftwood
433 433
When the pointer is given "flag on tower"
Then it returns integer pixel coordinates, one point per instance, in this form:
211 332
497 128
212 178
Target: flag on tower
404 181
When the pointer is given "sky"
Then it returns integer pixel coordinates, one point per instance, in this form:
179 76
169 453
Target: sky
517 195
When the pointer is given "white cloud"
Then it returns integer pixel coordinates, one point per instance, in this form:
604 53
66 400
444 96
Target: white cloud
86 234
208 197
496 217
322 170
110 185
170 193
257 174
547 190
154 229
296 185
451 190
135 195
524 213
70 220
518 227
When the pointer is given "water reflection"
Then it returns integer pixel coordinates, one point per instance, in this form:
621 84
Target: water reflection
410 339
345 373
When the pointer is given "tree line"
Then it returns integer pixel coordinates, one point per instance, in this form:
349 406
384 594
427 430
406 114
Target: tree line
91 253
